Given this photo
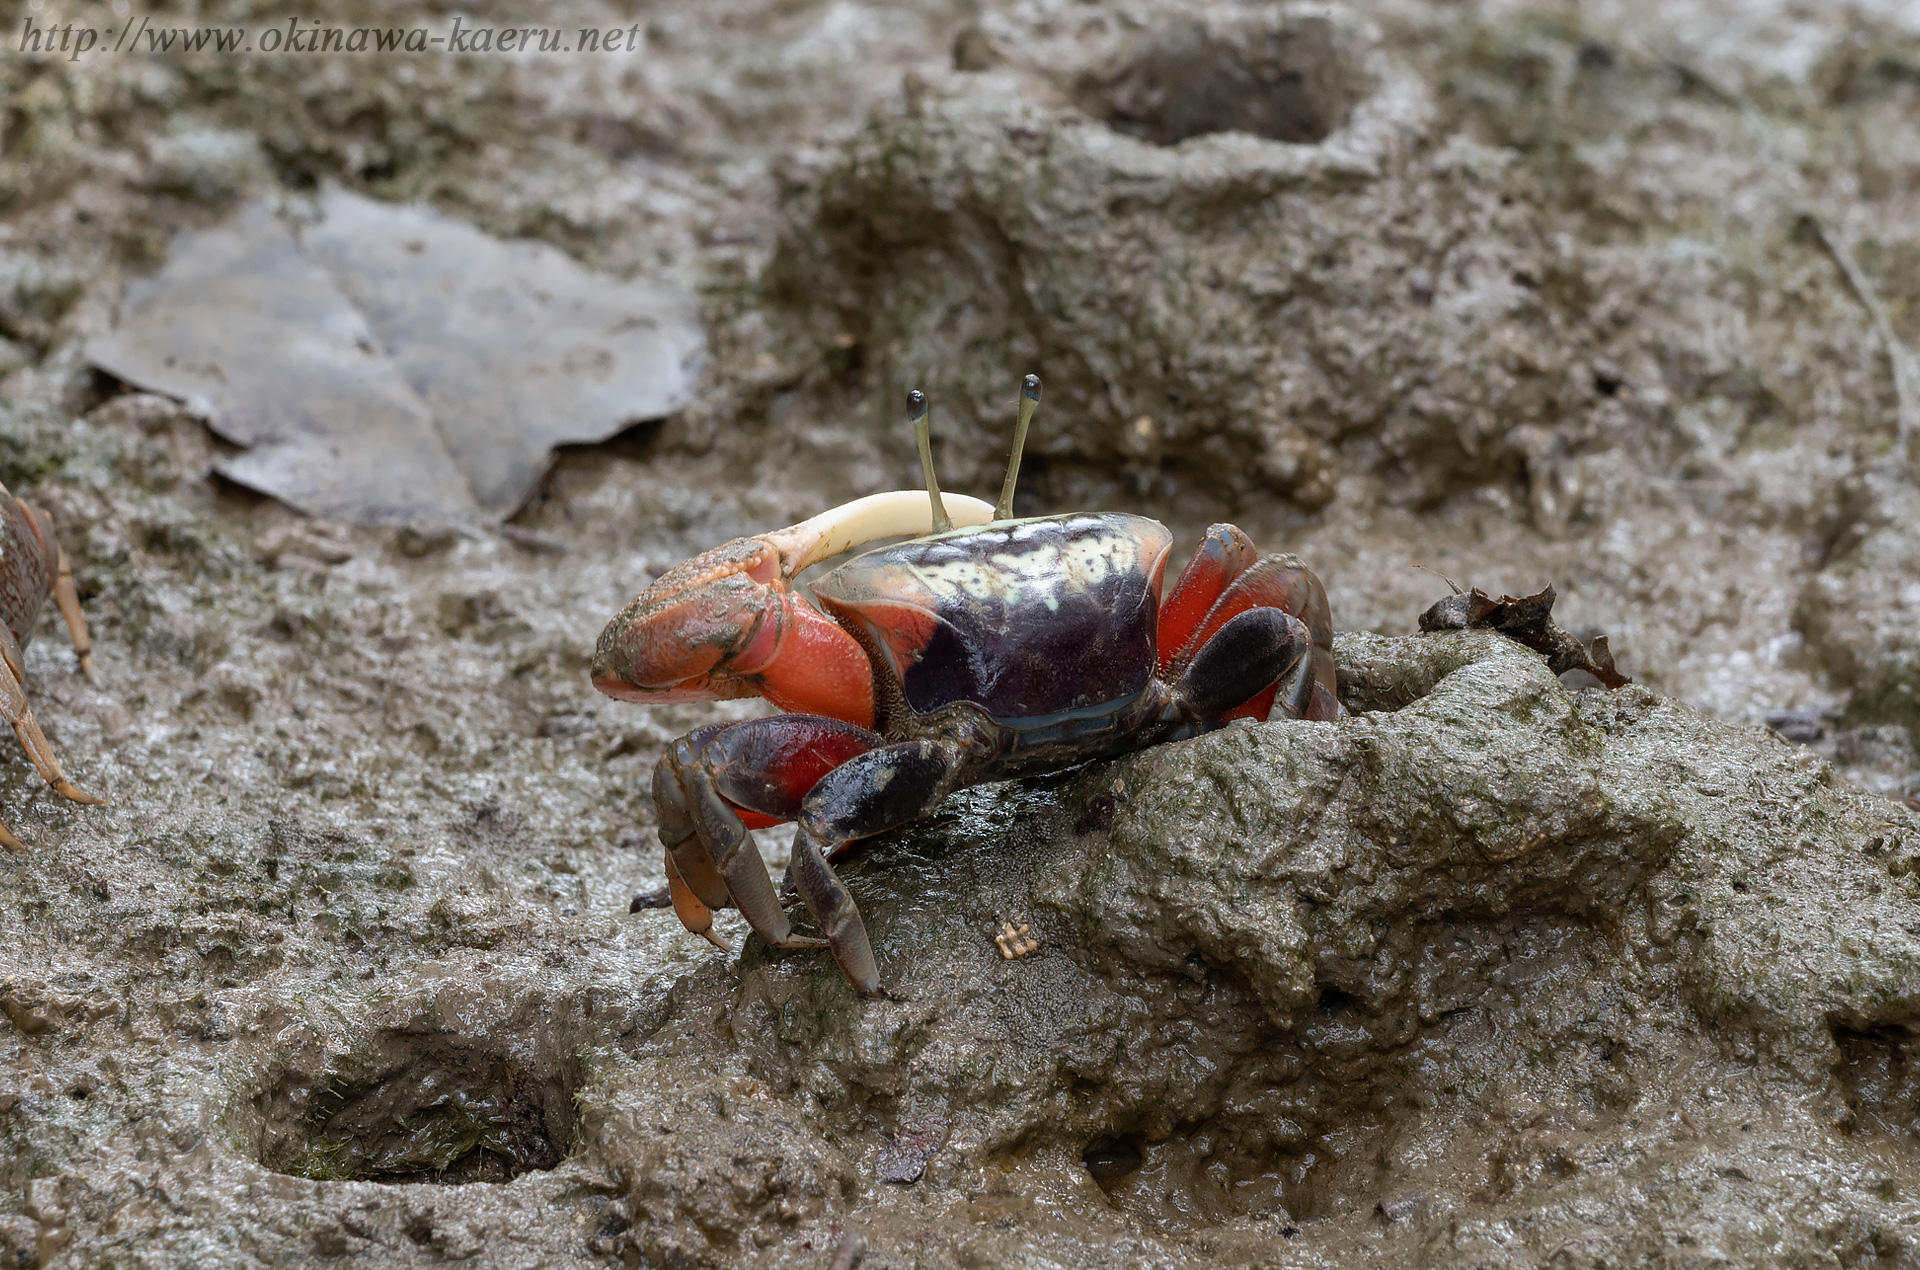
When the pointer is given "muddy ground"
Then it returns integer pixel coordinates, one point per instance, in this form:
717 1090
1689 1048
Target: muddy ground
1499 971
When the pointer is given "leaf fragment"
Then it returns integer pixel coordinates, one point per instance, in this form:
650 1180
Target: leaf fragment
1526 620
389 364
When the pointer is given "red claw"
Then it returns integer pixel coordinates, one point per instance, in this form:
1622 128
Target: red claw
729 624
671 642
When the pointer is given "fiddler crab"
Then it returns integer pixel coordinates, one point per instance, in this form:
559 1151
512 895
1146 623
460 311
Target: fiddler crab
982 648
33 567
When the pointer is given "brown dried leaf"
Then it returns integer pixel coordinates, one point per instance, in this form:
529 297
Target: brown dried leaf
388 364
1526 620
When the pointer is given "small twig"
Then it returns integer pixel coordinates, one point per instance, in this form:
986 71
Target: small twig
1905 390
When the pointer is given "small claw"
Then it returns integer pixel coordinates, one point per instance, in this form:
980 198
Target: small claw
663 898
10 842
688 907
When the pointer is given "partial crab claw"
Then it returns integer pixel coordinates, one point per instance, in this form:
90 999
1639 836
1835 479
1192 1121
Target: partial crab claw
728 622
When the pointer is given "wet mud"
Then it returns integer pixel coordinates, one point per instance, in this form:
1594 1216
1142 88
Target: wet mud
1498 971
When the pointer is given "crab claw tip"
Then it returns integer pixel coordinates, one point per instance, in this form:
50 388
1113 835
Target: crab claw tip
696 619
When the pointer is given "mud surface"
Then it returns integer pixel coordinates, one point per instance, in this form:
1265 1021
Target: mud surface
1500 971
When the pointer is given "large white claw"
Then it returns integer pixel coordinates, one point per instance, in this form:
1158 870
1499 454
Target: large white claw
864 520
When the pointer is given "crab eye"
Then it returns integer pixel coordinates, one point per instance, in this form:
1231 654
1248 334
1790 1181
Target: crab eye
923 437
1029 402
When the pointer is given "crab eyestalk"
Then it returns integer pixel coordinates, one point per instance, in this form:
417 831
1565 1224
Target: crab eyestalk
1029 402
923 436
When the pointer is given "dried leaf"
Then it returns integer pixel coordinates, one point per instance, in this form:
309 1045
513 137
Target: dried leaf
388 364
259 341
1526 620
514 347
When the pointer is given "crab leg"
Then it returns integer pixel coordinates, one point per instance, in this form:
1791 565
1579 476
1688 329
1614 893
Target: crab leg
1256 651
14 709
840 781
1282 582
827 898
1278 582
713 785
877 791
733 853
1223 555
67 596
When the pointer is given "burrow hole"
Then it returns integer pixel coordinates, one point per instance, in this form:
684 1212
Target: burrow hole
1879 1072
421 1107
1274 73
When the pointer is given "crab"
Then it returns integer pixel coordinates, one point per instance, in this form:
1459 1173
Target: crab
32 567
984 647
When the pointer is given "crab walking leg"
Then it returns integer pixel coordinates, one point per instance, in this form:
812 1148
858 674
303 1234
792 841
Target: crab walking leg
13 704
767 767
732 850
763 768
1278 582
714 785
1251 653
827 899
693 902
14 709
1222 556
67 596
877 791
